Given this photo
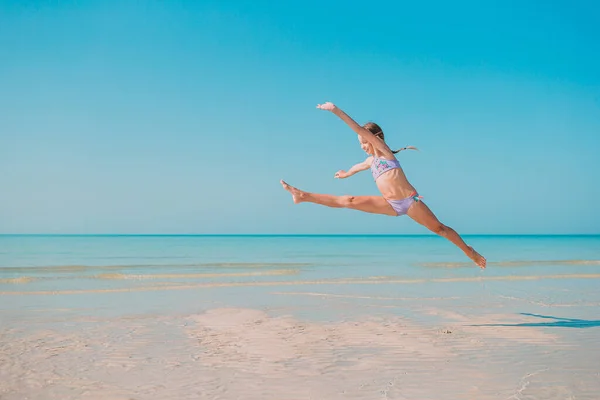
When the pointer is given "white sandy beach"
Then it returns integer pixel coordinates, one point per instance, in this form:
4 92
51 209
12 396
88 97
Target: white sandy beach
242 353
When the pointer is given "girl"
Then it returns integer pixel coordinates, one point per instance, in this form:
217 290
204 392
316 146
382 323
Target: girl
398 196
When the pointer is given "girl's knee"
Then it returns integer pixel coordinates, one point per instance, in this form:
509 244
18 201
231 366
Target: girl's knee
439 228
346 201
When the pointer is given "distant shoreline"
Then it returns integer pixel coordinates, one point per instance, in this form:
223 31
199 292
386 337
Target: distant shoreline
311 235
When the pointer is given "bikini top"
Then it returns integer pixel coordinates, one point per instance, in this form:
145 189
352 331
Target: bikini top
379 166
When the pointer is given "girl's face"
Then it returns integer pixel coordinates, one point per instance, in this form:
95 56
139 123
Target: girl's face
366 146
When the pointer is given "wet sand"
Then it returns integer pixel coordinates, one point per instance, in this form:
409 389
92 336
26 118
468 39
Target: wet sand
249 353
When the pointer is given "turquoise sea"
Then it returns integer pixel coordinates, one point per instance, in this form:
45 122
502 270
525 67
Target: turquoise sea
183 272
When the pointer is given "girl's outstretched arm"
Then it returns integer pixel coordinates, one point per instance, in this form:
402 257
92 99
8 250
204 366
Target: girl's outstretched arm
364 133
362 166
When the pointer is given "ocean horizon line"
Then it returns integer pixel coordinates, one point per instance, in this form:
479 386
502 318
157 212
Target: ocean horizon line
292 235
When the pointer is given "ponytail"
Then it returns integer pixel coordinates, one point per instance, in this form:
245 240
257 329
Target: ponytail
405 148
378 133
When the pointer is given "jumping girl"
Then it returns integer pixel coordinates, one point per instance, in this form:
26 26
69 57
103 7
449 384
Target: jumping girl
398 196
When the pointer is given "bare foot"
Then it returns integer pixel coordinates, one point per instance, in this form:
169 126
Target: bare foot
477 258
297 195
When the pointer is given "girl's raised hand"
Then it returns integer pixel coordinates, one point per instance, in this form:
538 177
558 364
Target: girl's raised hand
326 106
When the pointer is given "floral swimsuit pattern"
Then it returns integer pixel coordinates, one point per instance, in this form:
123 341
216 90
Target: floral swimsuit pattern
380 166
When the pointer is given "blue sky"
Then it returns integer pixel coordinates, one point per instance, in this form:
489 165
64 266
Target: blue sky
181 117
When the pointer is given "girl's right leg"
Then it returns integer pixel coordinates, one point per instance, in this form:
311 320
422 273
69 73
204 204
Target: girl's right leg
420 213
369 204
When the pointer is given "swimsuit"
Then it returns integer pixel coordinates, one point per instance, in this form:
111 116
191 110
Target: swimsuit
379 166
401 206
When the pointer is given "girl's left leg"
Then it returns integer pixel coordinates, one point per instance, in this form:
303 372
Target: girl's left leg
369 204
420 213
